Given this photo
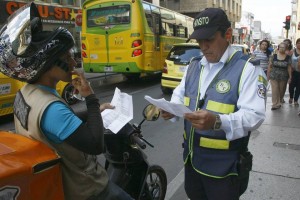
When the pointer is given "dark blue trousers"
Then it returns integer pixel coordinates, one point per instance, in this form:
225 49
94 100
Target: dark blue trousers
200 187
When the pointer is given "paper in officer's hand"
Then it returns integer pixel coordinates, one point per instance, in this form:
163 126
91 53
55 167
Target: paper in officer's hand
173 108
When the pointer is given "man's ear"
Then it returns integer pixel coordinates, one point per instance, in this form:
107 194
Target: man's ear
228 34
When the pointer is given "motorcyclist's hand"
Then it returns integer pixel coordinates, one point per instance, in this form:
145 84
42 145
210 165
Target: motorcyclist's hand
166 115
201 119
81 84
106 106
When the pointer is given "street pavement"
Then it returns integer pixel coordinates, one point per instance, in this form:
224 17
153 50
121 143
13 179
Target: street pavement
276 150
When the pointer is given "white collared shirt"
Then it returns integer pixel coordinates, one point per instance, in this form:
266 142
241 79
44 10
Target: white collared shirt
251 105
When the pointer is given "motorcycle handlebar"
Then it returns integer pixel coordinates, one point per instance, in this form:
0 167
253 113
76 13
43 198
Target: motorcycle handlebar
139 142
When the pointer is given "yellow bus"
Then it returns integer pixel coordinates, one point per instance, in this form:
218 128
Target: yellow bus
132 37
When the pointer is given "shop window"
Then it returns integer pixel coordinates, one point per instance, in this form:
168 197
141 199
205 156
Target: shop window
67 2
56 1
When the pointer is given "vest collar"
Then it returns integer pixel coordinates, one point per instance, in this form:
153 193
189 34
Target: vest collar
226 56
49 89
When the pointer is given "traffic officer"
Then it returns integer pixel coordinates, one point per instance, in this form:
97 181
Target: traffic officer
227 95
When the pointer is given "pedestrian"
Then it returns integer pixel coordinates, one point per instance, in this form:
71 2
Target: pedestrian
245 45
252 48
279 73
289 49
263 54
294 86
41 114
227 96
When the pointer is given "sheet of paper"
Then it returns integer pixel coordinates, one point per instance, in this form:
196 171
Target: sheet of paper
173 108
115 119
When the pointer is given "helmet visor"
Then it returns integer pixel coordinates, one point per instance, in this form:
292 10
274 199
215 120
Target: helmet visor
19 29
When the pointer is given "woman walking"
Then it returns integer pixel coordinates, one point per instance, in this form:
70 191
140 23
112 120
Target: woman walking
294 86
289 48
263 53
279 73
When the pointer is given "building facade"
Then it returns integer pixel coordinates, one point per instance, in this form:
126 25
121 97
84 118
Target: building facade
233 9
294 31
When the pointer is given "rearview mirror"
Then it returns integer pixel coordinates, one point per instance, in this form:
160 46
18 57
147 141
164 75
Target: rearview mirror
151 113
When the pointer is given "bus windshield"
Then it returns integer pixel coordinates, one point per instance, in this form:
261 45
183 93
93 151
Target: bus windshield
112 15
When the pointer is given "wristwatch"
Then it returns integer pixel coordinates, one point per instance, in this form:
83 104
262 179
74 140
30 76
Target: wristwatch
218 123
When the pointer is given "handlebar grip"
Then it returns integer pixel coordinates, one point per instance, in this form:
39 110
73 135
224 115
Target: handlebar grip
139 142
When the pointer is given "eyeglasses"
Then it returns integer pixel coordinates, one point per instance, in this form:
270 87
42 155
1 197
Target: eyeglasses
281 47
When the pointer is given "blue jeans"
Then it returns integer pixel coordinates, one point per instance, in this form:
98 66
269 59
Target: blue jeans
112 192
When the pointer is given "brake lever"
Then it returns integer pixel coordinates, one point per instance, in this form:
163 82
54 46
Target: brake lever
147 142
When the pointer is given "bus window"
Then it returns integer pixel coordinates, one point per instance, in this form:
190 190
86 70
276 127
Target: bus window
167 16
168 29
112 15
155 9
180 20
190 29
148 15
157 24
180 31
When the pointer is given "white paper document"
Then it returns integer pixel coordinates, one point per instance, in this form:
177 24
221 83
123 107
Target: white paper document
173 108
115 119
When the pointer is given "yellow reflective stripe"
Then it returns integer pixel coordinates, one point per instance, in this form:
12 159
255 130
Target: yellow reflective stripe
212 176
184 135
186 101
220 107
262 80
214 143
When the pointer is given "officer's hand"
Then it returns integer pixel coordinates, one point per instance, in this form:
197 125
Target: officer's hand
81 84
202 119
106 106
166 115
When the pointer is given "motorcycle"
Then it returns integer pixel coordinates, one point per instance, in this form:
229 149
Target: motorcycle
25 165
127 164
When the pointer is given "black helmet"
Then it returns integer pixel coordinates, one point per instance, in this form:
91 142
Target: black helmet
26 51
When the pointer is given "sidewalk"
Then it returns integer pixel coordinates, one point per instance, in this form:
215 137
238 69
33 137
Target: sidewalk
276 150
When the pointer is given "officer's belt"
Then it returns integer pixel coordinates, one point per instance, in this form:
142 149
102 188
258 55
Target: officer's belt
212 143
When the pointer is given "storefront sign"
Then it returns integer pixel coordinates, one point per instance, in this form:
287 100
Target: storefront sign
49 14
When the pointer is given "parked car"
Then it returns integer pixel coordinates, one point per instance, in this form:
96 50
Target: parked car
240 47
176 63
9 88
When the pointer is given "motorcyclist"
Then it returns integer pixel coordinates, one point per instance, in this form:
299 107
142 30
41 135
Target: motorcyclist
43 58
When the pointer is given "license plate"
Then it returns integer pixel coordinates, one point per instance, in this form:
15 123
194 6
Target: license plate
5 88
108 69
182 68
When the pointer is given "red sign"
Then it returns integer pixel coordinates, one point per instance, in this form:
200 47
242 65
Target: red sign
78 19
48 13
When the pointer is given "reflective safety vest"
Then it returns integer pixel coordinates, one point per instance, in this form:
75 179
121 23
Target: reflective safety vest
209 152
82 174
